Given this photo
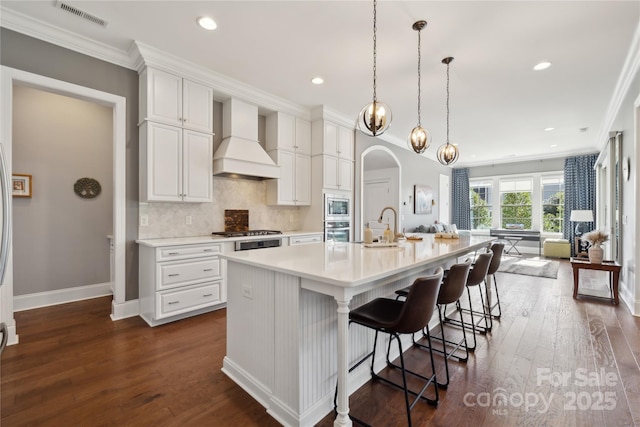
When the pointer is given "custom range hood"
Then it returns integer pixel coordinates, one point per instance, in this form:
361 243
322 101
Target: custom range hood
240 154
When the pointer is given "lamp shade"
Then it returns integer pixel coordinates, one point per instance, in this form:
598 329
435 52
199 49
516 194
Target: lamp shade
581 216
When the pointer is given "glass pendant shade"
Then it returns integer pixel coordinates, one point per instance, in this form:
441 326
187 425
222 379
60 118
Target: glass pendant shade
419 139
375 118
448 153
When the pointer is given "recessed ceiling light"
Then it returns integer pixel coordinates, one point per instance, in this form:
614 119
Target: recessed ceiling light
207 23
542 65
553 145
317 80
548 129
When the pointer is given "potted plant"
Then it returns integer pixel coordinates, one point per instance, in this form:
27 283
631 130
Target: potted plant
596 238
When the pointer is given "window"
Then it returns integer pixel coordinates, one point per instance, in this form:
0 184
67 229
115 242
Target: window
515 203
552 203
481 204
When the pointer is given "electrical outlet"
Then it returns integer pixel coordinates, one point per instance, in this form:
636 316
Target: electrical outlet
247 291
188 219
144 220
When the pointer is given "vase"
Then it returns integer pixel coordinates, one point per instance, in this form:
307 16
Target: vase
595 254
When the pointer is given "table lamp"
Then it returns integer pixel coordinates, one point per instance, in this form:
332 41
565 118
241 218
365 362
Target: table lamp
580 216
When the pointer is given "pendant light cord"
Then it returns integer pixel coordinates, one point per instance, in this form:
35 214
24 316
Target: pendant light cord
447 103
374 50
419 79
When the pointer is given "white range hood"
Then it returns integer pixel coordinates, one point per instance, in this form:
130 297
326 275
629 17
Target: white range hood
240 154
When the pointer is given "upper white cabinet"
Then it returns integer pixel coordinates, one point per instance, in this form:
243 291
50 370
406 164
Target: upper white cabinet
288 142
175 164
333 154
286 132
336 141
171 99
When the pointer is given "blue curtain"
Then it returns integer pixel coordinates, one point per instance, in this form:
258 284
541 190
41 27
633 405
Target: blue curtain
579 190
460 199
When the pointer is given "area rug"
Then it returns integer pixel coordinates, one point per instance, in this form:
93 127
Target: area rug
538 267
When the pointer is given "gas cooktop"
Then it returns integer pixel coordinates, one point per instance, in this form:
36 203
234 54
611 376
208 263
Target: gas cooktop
246 233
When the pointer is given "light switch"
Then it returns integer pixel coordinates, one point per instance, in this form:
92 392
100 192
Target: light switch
144 220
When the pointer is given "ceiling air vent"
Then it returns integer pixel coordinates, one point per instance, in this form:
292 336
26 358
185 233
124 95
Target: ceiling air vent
82 14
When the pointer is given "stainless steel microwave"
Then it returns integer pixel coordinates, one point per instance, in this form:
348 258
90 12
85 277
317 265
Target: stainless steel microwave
336 207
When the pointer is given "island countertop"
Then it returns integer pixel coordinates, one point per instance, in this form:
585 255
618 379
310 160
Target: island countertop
353 264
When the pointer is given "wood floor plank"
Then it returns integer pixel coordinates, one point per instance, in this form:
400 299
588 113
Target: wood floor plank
79 368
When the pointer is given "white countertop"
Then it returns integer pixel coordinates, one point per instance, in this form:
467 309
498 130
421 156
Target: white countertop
171 241
352 264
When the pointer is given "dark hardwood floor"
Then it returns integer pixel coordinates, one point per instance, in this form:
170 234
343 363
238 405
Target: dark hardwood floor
76 367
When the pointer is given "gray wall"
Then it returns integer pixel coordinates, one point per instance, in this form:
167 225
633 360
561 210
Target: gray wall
38 57
415 169
60 239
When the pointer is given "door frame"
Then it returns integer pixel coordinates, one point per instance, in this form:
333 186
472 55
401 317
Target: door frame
10 77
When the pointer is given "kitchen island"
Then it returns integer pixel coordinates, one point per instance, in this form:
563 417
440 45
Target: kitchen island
288 311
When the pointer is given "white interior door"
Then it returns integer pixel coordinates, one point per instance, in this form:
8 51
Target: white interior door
444 196
377 195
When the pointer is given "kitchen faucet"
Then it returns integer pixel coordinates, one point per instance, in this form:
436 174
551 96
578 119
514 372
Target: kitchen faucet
395 218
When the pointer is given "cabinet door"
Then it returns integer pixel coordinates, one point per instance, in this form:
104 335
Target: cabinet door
303 180
164 97
345 143
197 166
330 172
197 106
303 136
345 174
287 181
164 160
330 139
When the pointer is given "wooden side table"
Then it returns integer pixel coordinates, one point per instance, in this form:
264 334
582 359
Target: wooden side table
614 275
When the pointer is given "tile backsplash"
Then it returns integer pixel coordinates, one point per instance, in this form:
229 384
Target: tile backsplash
170 219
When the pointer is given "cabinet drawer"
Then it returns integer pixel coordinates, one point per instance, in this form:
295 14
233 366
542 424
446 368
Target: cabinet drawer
187 251
173 274
301 240
171 303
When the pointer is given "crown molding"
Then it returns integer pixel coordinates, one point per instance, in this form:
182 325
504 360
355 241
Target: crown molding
224 87
44 31
629 71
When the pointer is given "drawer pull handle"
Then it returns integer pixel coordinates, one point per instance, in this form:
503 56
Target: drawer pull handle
173 302
174 274
207 295
208 250
174 253
208 269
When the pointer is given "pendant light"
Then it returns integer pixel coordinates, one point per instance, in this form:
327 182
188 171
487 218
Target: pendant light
419 138
448 153
375 118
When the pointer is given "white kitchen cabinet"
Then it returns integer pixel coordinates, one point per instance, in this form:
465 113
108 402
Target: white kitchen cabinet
175 164
335 140
173 100
303 240
294 185
286 132
288 142
180 281
337 173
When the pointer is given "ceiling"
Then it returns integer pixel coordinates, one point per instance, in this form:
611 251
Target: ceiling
499 106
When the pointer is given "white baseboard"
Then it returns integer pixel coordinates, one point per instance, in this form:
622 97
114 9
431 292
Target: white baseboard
125 310
61 296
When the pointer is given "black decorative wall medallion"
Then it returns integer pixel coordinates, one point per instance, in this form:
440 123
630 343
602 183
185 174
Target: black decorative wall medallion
87 188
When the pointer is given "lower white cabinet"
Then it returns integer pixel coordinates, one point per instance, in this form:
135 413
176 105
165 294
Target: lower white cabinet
180 281
301 240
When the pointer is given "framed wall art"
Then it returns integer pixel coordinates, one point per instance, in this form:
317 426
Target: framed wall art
422 199
21 185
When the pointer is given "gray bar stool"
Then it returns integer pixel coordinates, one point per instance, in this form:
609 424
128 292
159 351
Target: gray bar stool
395 317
